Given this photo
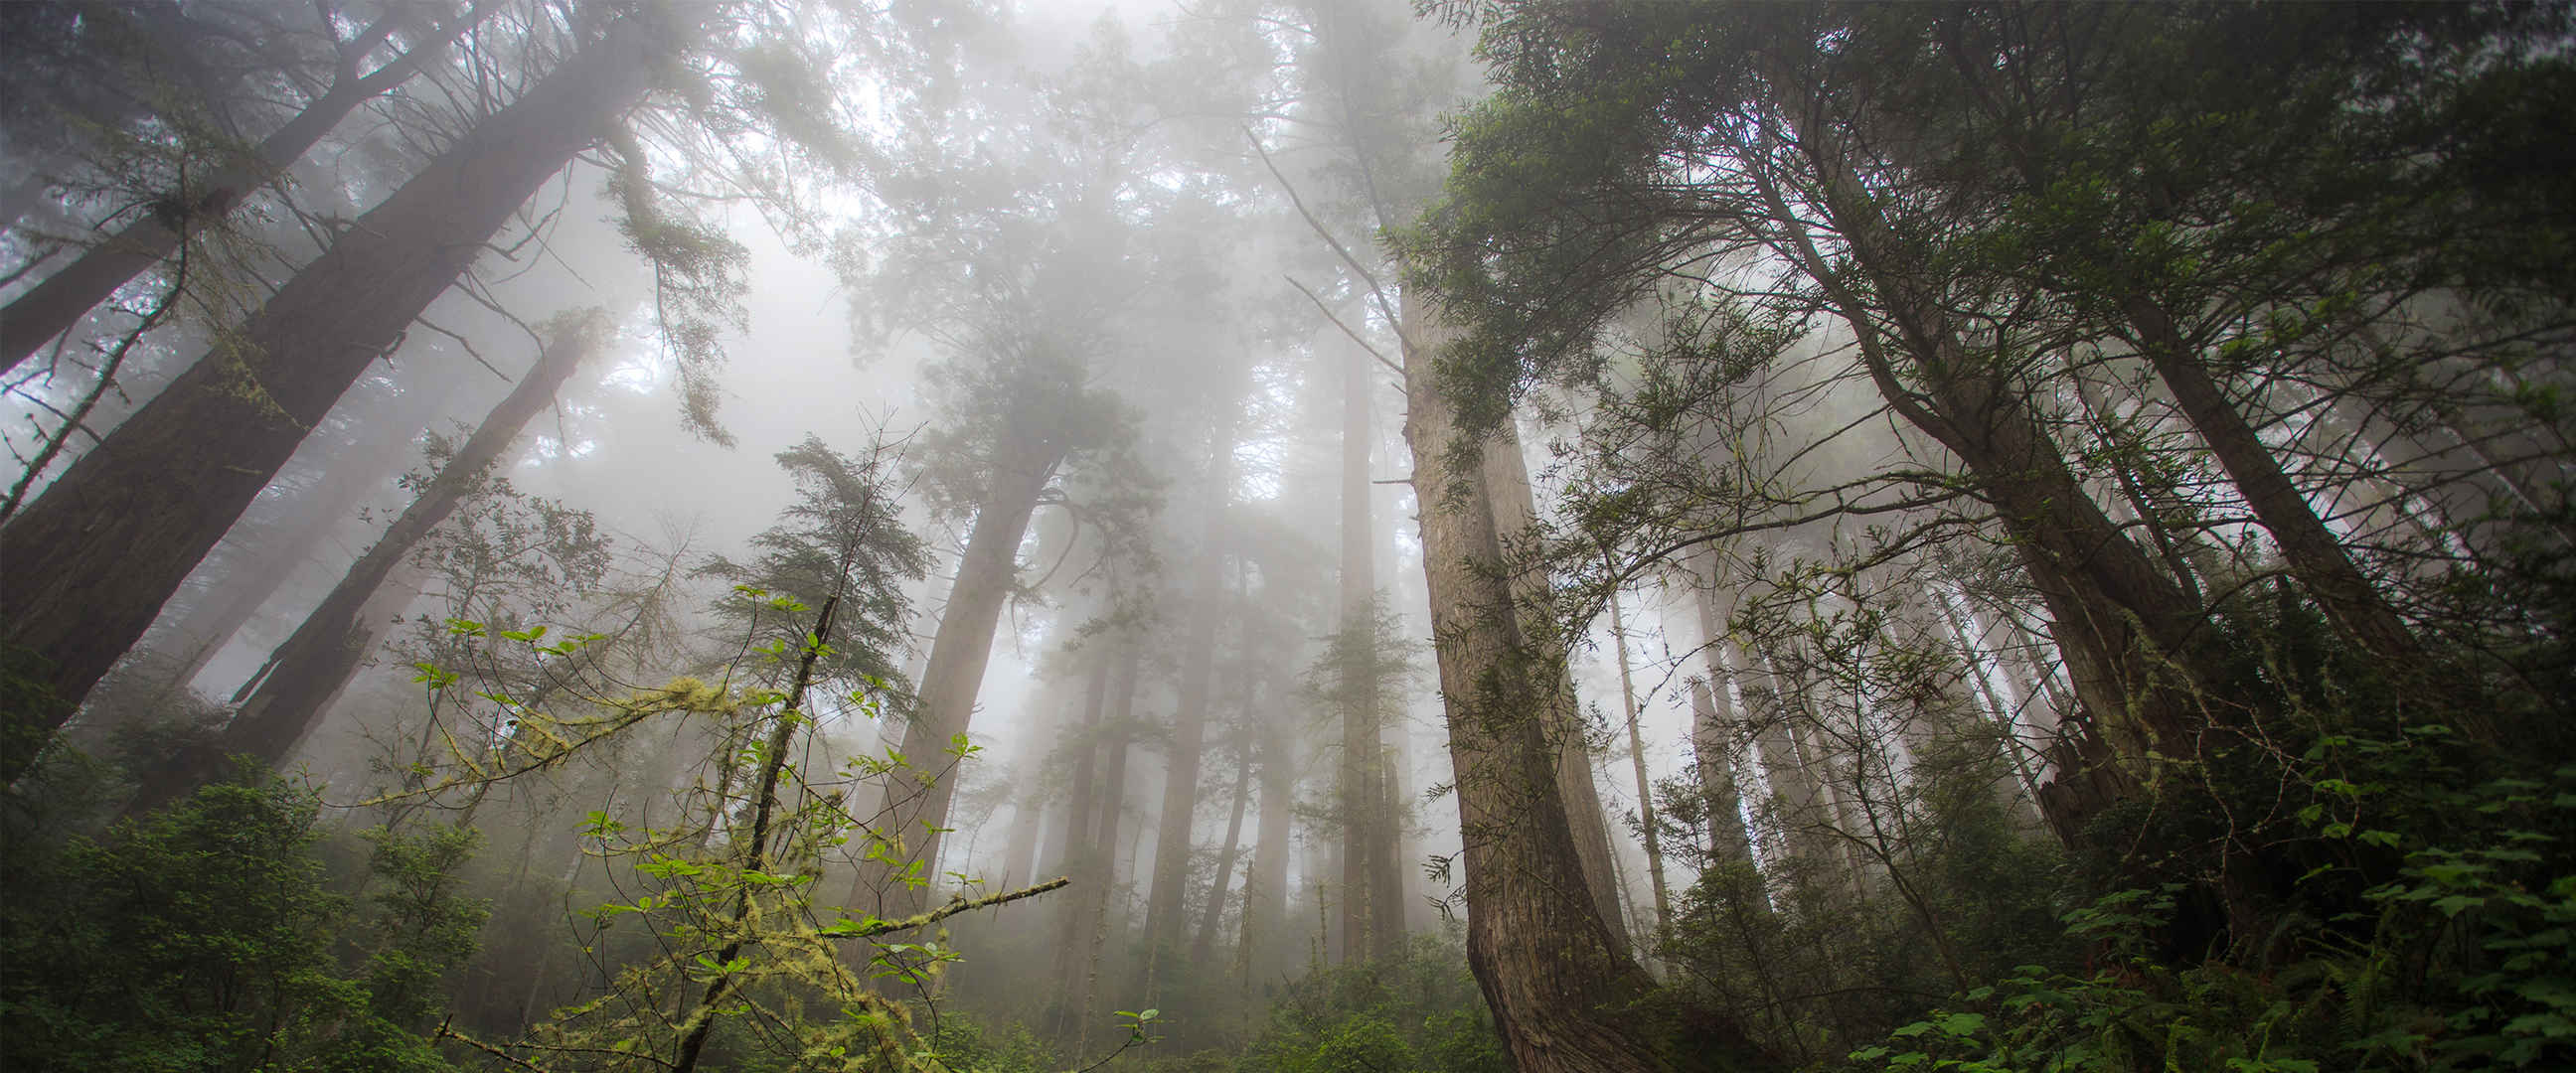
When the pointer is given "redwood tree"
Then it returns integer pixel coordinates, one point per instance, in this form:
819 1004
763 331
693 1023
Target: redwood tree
93 559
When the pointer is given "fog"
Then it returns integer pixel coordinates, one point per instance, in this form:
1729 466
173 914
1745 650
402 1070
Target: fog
977 536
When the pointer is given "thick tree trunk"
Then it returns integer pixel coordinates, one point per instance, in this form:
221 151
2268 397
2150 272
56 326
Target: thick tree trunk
315 663
1554 974
919 795
52 307
267 558
2127 630
92 560
1505 483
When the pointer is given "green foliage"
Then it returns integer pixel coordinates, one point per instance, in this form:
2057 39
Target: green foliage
1419 1010
1815 968
202 937
2461 960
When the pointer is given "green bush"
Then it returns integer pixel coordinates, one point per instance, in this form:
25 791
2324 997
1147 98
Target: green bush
201 938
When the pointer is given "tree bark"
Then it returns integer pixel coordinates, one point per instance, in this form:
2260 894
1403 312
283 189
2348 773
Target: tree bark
52 307
93 559
268 558
1546 960
2125 629
1505 483
291 692
918 795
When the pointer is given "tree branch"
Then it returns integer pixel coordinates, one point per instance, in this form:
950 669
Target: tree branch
959 904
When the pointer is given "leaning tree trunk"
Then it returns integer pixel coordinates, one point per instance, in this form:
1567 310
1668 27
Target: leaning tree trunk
918 795
52 307
1203 946
1505 482
290 693
264 561
2313 553
2129 633
93 559
1554 975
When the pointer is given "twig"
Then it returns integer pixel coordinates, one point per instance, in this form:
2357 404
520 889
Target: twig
1378 290
1320 307
959 904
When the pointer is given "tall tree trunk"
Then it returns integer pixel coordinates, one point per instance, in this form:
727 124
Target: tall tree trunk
1550 968
1092 863
1637 763
1203 947
1796 809
1716 727
1083 745
290 693
2314 555
1372 917
1166 927
52 307
1972 657
1505 483
1712 747
2128 632
1265 886
1028 810
93 559
268 558
919 795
